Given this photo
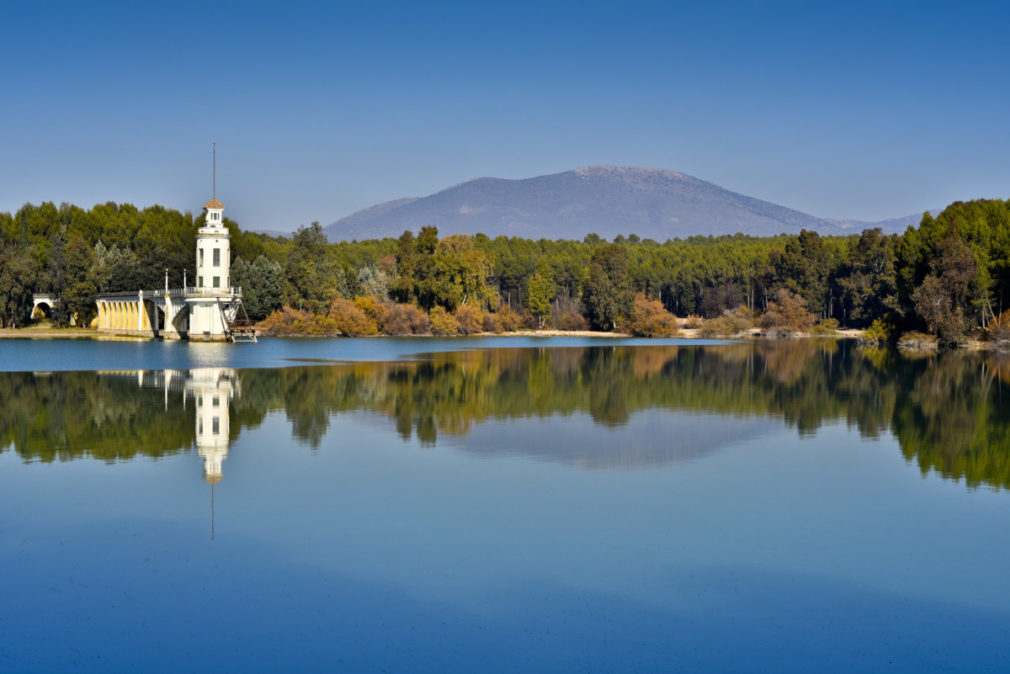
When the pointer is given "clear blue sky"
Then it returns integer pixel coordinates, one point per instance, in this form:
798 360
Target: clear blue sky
855 110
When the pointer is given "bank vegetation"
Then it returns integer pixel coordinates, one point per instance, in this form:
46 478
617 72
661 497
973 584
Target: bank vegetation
946 278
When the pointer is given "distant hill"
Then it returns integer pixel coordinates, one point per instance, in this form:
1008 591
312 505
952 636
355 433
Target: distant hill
607 200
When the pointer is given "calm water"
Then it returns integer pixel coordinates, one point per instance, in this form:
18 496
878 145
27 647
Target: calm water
600 506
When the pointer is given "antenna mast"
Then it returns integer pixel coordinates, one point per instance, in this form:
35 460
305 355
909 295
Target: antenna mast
213 183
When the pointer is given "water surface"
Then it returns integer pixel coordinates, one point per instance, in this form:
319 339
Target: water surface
620 507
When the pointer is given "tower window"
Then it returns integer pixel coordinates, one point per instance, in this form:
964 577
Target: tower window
217 257
215 426
199 282
217 281
201 257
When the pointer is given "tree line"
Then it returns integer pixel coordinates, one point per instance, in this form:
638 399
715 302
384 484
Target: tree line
948 276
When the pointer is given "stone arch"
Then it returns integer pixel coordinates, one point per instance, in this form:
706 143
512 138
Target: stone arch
42 310
42 305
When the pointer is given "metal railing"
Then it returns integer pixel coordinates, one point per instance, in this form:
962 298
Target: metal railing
191 291
214 292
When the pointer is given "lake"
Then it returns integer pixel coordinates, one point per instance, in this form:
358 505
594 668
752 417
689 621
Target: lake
502 504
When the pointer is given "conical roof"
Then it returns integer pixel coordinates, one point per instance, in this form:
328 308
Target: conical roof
214 203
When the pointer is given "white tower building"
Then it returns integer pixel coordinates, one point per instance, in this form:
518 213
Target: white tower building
212 301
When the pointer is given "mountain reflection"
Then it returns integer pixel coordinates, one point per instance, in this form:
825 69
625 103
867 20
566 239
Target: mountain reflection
947 411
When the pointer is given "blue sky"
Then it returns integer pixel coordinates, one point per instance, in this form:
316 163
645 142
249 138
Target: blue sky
855 110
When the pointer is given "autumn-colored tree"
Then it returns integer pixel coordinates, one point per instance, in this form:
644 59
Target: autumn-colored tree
999 329
573 321
649 318
442 322
492 323
404 319
350 320
372 307
290 321
510 320
787 313
469 318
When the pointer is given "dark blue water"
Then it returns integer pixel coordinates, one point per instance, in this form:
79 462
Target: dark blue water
641 509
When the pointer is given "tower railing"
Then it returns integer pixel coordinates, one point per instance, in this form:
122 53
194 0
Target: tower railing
191 291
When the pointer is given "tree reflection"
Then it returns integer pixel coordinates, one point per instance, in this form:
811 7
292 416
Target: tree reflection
947 410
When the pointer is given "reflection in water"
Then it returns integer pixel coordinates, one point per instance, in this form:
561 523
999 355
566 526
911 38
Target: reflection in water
213 388
947 411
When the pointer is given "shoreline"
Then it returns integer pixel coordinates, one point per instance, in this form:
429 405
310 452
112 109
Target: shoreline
750 335
685 333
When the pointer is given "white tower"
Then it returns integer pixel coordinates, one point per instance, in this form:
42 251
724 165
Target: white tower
213 251
213 302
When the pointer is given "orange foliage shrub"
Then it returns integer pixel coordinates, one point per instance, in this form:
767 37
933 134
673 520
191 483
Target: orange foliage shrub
787 313
492 323
442 322
351 320
693 322
999 328
573 320
404 319
469 319
372 307
509 320
288 321
649 318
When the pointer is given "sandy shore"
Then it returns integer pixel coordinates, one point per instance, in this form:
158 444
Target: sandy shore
685 333
47 333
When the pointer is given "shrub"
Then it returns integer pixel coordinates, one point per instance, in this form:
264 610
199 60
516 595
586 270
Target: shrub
351 320
419 323
730 323
288 321
999 328
649 318
573 320
726 325
829 326
442 322
372 307
918 341
787 313
469 319
693 322
879 331
492 323
510 321
396 321
403 319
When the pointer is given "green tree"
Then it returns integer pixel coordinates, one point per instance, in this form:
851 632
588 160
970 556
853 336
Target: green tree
538 297
942 299
80 287
312 281
19 274
606 292
868 281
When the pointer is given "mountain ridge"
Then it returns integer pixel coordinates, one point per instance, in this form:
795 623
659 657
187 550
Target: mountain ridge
607 200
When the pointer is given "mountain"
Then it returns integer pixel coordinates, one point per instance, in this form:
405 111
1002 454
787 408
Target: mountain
607 200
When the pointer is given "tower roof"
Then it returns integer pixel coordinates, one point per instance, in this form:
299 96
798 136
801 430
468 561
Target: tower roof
214 203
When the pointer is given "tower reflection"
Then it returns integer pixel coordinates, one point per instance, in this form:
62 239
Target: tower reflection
212 388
